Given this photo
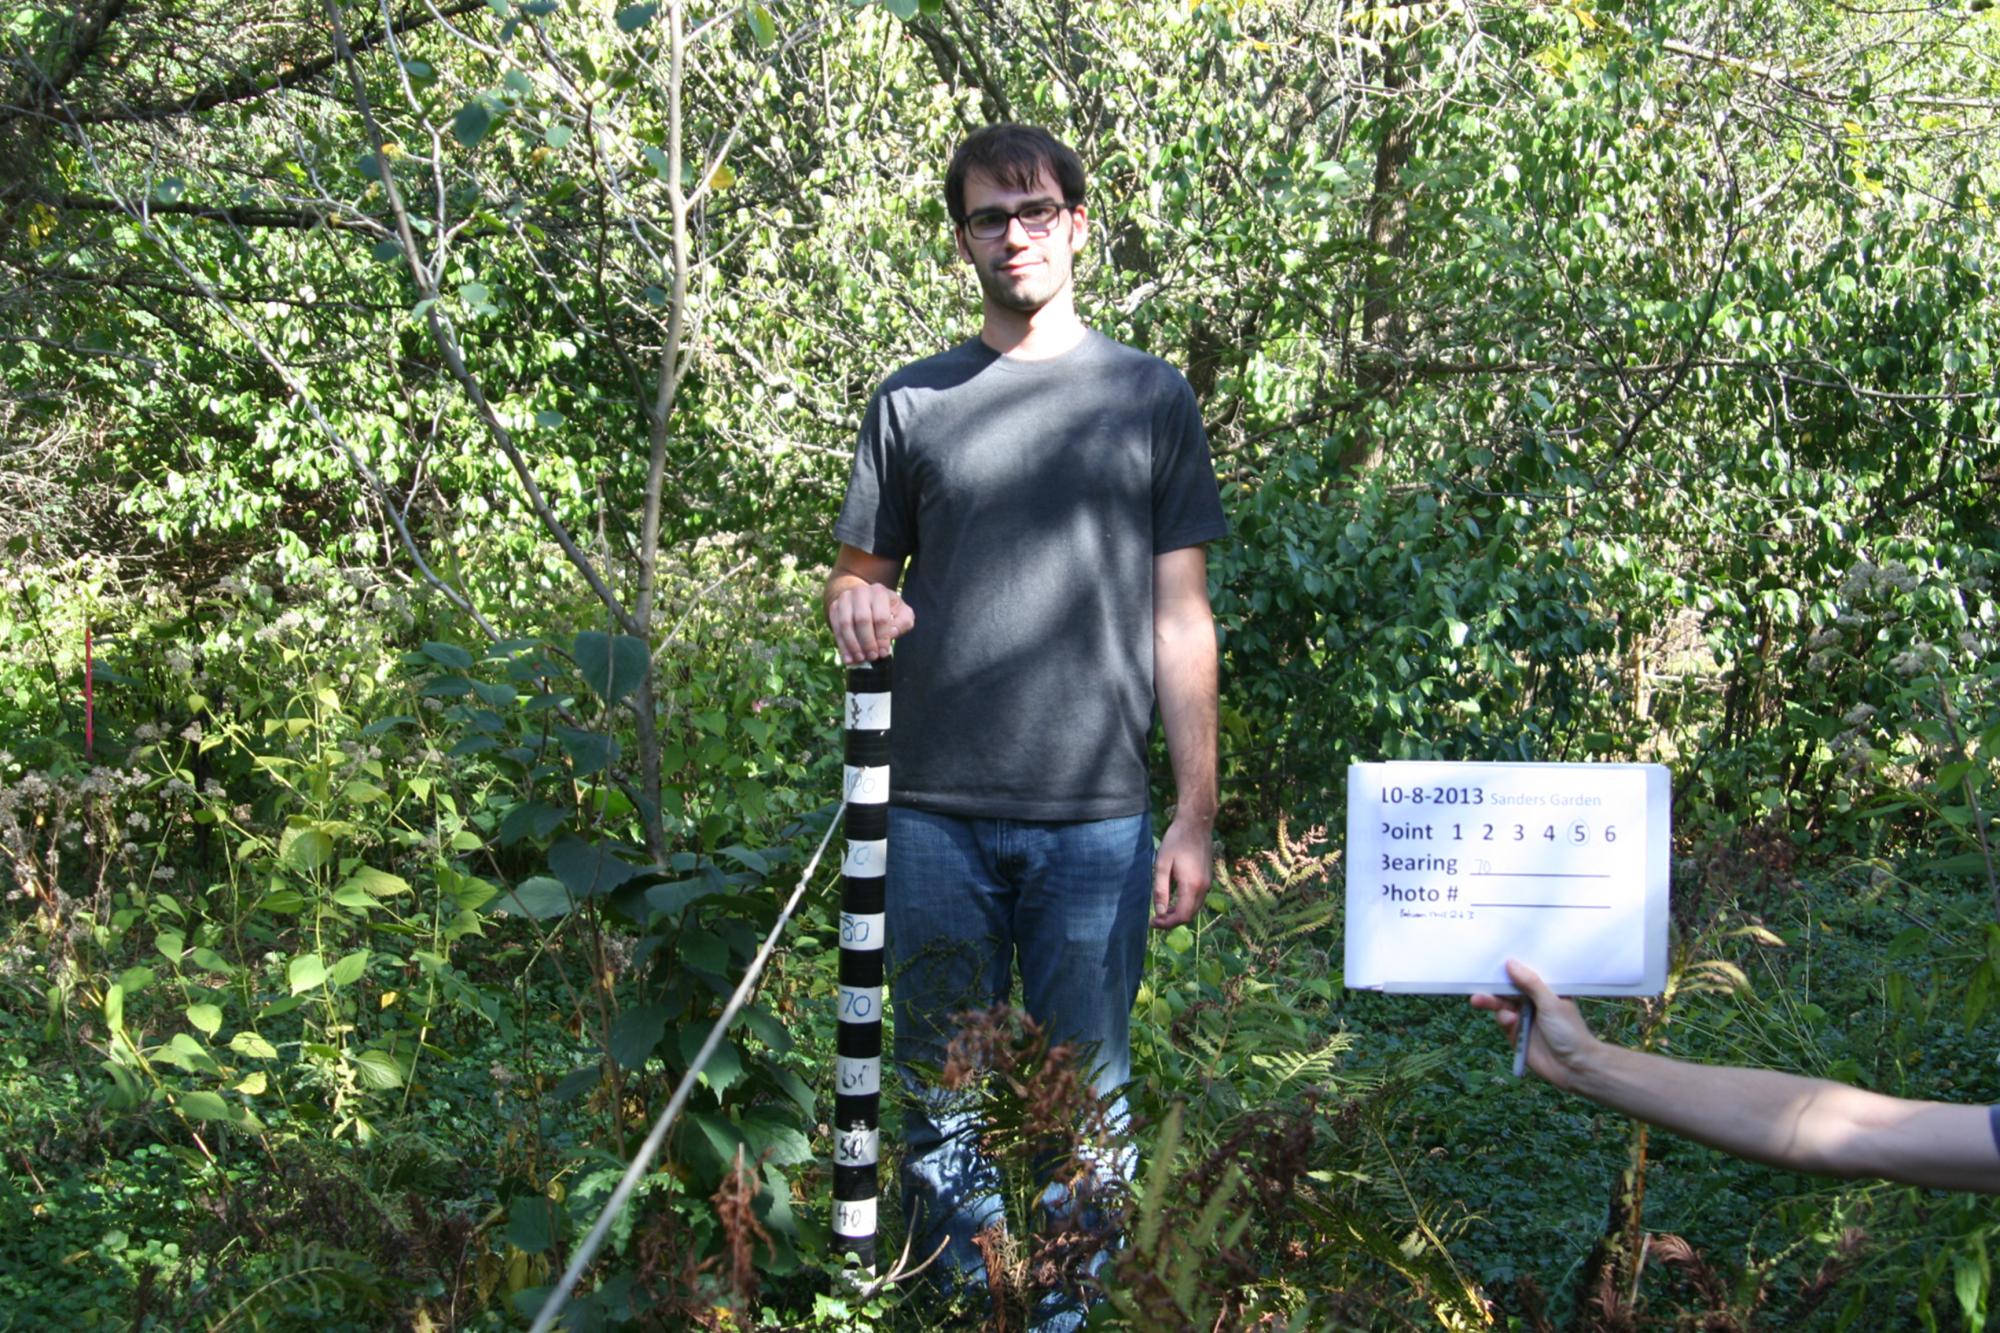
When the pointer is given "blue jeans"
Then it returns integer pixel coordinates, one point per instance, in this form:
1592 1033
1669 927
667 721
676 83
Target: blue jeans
969 900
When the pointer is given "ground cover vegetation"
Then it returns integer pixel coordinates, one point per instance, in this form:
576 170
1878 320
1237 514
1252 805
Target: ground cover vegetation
421 427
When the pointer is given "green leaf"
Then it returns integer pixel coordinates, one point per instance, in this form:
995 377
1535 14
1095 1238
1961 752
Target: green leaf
376 1069
114 1006
705 950
494 694
769 1028
724 1068
612 664
578 1081
763 30
634 17
796 1088
540 898
349 896
207 1017
469 891
204 1106
720 1136
748 858
188 1054
376 883
902 9
471 123
1969 1283
305 848
670 900
208 960
768 1129
635 1032
587 750
448 655
557 136
252 1047
588 869
349 969
534 1222
530 819
1180 939
305 972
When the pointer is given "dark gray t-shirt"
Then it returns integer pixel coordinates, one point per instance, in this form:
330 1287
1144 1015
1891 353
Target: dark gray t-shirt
1030 498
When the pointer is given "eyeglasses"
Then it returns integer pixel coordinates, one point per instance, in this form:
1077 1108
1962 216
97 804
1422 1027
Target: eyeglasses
1037 219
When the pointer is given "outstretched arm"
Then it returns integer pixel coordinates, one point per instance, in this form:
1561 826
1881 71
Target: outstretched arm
1184 680
1802 1124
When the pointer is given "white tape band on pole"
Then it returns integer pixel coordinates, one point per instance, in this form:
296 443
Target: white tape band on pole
857 1075
860 1004
854 1217
868 712
865 786
862 931
857 1147
866 860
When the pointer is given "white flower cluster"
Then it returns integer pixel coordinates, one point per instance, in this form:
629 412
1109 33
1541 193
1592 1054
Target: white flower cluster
288 623
1868 580
41 814
1914 660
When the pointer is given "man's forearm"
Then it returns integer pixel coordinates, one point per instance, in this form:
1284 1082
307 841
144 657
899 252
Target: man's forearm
1184 679
1802 1124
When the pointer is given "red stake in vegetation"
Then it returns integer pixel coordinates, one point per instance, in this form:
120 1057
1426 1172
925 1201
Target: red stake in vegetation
89 700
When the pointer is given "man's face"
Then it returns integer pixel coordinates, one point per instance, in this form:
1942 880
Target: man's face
1017 269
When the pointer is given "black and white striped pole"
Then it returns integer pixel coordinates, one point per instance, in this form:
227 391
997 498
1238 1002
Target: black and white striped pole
857 1100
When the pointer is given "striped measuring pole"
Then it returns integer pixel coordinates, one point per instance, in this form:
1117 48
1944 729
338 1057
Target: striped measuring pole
857 1099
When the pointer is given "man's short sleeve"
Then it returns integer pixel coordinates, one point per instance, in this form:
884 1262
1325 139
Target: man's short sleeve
1187 508
876 514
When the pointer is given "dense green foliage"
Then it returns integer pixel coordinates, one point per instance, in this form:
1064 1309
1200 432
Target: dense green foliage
428 420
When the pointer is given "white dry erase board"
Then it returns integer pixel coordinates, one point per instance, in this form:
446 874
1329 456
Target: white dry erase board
1454 868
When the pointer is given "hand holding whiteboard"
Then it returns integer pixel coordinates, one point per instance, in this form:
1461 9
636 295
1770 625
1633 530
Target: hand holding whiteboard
1454 868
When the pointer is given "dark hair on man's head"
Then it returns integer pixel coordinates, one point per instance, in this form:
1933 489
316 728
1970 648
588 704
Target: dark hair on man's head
1012 156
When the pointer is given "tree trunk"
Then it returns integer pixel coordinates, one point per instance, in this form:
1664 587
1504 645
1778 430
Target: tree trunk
1379 367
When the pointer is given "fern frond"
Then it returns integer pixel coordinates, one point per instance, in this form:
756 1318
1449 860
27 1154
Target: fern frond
1305 1066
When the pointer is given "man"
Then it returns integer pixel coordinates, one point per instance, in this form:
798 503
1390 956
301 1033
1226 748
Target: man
1042 495
1801 1124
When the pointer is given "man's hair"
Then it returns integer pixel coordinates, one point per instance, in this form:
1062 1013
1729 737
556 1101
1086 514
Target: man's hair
1012 156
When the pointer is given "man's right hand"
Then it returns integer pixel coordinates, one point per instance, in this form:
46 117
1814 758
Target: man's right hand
866 619
863 607
1561 1048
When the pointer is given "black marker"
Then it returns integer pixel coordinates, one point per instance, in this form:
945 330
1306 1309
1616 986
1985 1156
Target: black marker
1527 1030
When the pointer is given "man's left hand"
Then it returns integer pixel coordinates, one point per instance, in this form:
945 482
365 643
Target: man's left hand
1181 871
